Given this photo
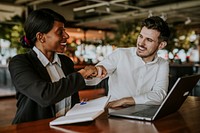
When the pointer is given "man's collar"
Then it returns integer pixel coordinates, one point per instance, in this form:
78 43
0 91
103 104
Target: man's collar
155 59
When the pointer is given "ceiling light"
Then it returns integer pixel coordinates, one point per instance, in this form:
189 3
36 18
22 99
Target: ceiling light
38 2
150 14
108 9
100 31
164 16
67 2
78 29
90 10
188 21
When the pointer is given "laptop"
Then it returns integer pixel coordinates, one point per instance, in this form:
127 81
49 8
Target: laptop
173 101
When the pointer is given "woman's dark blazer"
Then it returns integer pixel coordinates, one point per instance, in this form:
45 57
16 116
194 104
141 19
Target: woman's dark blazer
36 94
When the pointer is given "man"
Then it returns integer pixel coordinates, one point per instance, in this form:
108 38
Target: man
137 75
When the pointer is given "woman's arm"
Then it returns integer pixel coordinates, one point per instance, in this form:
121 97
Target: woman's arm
32 80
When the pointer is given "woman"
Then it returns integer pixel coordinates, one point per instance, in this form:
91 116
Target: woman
46 83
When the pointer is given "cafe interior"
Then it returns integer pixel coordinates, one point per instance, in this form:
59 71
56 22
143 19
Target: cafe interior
96 28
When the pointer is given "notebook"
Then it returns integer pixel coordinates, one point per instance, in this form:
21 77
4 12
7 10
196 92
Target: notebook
173 101
83 112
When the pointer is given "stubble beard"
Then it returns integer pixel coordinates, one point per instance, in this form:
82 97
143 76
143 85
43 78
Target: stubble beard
146 55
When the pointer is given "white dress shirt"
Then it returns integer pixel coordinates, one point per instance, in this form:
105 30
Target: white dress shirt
130 76
56 73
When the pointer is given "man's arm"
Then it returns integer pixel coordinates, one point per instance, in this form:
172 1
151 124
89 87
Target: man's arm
155 96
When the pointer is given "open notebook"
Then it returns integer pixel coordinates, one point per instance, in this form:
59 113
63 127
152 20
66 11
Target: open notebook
171 103
83 112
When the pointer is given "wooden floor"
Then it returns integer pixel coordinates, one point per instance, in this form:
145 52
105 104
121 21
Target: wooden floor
8 105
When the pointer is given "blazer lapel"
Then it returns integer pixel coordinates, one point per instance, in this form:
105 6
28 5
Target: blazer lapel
38 65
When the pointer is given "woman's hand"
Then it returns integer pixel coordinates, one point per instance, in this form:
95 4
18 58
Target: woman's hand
89 72
92 71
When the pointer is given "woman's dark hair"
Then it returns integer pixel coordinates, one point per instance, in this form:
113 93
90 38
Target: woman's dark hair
157 23
41 20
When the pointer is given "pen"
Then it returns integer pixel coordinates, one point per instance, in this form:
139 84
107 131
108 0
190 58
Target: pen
82 103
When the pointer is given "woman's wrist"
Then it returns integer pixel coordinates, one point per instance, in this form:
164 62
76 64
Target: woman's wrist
82 72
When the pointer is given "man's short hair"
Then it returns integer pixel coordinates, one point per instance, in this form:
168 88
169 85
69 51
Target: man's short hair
157 23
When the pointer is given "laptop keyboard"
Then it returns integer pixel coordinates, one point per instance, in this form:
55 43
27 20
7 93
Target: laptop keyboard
148 112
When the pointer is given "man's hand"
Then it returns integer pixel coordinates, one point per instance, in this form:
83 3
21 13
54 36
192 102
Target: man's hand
102 72
92 71
124 102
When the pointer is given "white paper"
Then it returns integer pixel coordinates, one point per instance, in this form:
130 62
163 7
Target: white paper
90 106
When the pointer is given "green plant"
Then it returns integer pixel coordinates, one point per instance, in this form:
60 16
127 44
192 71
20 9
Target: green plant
127 33
12 30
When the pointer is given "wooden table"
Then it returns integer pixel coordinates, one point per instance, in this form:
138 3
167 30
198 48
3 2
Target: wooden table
186 120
